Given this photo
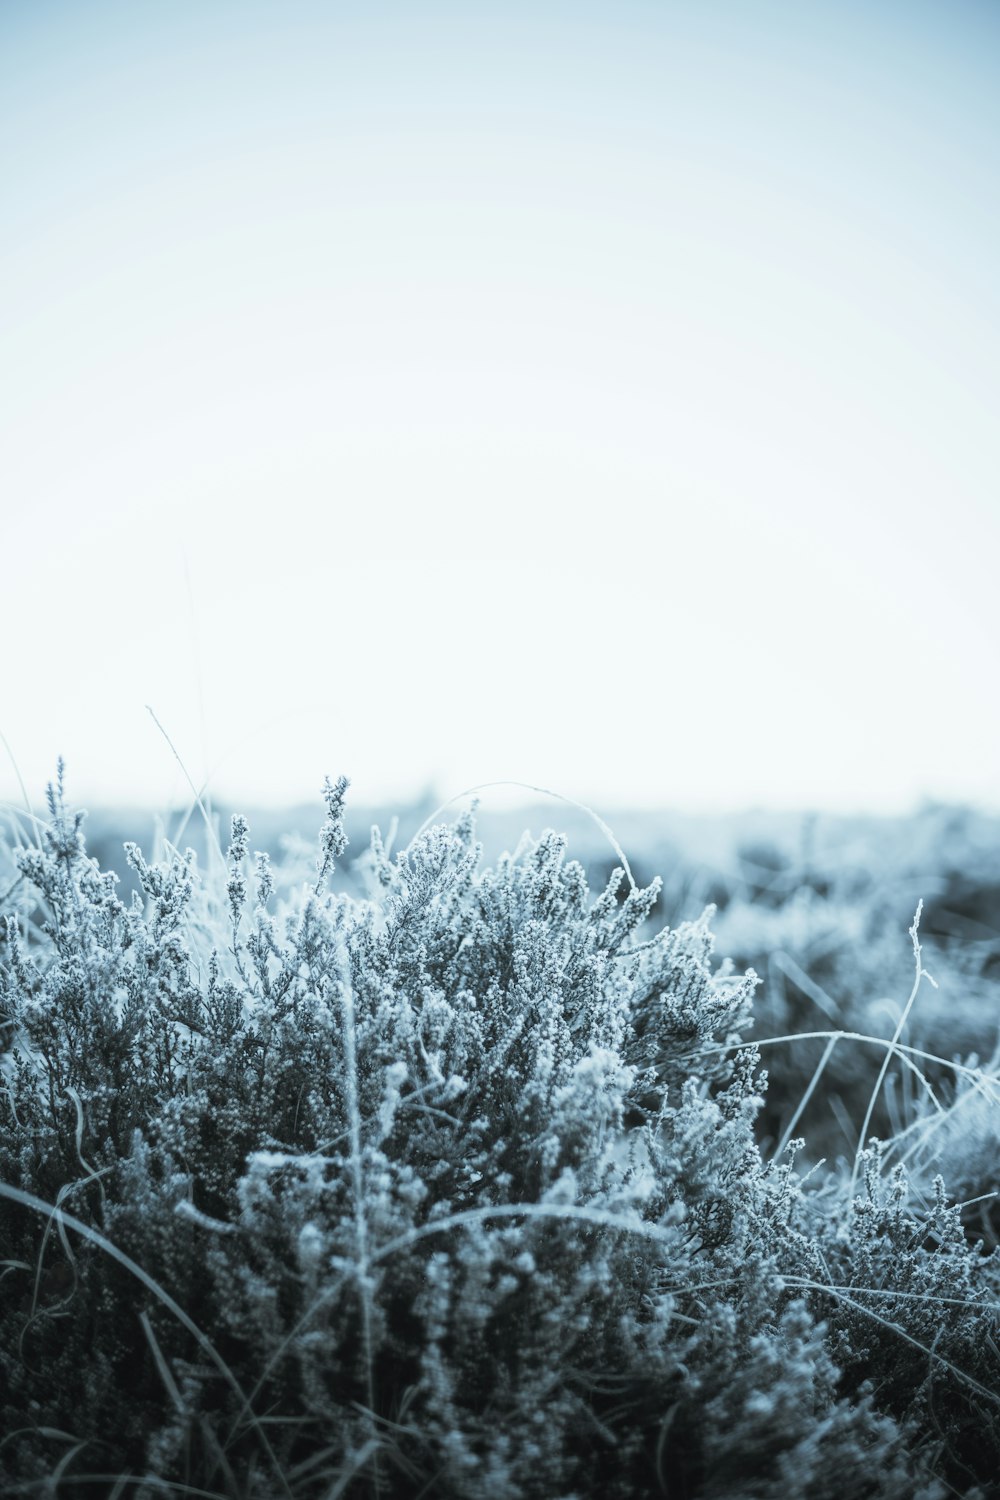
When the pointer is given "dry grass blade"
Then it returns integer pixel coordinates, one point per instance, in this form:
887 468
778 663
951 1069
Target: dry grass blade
841 1294
789 1129
68 1221
542 791
166 1374
213 837
592 1217
901 1023
358 1186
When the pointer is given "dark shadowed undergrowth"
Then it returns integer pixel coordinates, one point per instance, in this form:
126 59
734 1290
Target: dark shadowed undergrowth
452 1190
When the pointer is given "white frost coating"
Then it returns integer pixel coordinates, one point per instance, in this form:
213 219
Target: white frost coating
187 1210
273 1161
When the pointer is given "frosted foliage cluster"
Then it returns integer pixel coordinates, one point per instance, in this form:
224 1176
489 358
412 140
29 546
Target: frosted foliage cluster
451 1189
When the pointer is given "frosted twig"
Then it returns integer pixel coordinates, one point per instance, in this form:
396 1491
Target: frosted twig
919 974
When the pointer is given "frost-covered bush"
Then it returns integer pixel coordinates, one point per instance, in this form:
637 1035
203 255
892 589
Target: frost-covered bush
449 1191
822 925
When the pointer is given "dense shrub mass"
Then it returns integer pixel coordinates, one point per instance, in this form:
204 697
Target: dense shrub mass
452 1190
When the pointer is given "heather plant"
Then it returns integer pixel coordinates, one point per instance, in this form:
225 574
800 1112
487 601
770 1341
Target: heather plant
825 934
451 1189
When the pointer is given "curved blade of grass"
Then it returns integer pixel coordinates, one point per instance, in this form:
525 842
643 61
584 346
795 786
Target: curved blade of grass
603 1218
119 1483
543 791
209 827
68 1221
902 1049
840 1295
369 1450
789 1129
920 973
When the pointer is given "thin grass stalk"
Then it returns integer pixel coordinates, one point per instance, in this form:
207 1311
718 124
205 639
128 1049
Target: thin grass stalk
900 1024
69 1221
358 1186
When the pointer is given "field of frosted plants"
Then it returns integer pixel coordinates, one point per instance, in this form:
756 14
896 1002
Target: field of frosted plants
453 1160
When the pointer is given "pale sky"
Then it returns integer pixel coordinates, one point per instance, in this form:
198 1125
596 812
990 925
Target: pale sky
603 396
